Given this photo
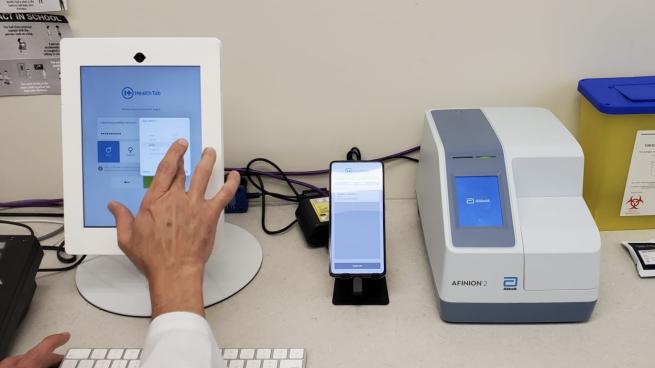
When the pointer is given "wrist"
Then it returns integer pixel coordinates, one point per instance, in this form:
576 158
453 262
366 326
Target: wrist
177 290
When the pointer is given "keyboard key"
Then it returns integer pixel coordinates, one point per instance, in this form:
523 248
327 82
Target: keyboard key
68 363
291 363
270 364
254 364
230 353
236 364
279 353
134 364
247 354
102 364
296 353
133 354
85 364
115 354
263 353
98 353
78 354
119 364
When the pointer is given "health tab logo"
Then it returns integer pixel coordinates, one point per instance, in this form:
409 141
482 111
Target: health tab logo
127 93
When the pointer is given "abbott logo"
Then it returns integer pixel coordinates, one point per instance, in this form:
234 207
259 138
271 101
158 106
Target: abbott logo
510 282
470 200
127 93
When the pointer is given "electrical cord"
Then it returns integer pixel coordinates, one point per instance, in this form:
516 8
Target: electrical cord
51 234
260 186
13 223
266 230
31 214
72 260
354 154
249 173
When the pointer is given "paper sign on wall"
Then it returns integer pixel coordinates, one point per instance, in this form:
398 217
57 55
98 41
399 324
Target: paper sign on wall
32 6
639 195
29 53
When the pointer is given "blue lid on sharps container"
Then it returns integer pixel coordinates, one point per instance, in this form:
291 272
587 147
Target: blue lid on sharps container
620 96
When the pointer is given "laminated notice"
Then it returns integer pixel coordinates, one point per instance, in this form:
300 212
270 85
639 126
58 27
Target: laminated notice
29 53
639 195
32 6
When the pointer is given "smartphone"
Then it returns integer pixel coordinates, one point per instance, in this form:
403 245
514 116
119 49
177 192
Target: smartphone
357 238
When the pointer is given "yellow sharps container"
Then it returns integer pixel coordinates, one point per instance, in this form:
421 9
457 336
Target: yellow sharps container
617 135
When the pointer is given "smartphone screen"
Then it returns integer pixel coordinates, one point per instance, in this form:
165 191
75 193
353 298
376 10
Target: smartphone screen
357 218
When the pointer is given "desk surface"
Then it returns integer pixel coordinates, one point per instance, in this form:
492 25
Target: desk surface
289 304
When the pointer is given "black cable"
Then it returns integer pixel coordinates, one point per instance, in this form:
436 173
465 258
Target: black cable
31 214
62 256
260 186
266 230
60 249
403 157
18 224
72 260
67 268
250 174
354 154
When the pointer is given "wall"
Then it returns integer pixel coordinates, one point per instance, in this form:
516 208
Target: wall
303 81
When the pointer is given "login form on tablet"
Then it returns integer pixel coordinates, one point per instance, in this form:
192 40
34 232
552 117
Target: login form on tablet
130 117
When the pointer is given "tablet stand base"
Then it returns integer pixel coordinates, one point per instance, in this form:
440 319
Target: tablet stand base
360 291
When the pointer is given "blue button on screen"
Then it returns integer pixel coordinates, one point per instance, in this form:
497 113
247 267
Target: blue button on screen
478 201
108 151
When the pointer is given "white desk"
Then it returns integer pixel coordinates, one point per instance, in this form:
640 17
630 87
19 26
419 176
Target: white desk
289 304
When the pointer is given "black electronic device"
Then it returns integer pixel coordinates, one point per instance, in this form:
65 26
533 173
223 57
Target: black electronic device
20 257
313 215
357 233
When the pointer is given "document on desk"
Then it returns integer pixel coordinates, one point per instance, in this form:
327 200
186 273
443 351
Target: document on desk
29 53
35 6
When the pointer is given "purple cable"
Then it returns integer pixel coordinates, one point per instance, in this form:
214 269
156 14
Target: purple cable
324 171
276 175
57 202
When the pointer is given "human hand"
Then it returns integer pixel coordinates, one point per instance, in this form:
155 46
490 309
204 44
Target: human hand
173 233
40 356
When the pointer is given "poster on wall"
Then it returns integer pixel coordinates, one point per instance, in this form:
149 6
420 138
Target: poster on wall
29 53
32 6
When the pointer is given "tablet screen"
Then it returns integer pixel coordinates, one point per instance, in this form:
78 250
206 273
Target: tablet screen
130 116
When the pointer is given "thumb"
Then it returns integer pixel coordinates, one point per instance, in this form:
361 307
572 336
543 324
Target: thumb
42 353
124 220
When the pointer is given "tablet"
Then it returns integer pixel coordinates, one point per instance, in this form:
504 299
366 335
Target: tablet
124 101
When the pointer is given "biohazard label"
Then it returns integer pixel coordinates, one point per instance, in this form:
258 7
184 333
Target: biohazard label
639 195
322 208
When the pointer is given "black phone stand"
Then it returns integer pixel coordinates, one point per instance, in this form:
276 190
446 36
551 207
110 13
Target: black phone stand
360 291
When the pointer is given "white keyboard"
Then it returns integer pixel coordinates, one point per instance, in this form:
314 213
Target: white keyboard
235 358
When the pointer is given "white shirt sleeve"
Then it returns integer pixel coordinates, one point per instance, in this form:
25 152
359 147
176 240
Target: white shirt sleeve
180 340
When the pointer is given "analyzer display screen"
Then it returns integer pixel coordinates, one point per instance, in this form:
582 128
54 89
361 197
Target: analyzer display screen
478 201
130 116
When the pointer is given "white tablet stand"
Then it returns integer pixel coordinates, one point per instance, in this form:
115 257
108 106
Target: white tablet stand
114 284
